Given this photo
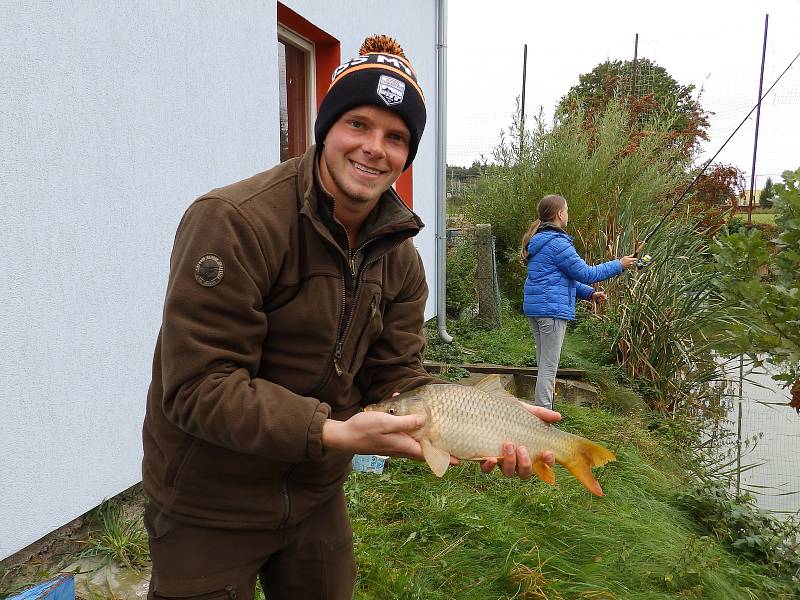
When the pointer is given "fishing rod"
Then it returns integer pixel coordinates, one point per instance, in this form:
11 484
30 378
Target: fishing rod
646 259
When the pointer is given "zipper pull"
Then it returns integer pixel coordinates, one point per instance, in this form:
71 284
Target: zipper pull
353 266
336 356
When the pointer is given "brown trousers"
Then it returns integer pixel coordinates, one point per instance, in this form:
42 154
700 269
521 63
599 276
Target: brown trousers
313 560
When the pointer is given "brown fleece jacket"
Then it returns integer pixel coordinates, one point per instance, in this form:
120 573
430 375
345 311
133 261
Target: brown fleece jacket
266 332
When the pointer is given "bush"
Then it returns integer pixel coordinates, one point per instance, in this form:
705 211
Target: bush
671 318
749 531
763 275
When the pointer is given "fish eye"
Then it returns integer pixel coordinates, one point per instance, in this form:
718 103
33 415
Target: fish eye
391 411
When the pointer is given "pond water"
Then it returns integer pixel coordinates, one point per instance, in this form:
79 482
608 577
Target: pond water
775 427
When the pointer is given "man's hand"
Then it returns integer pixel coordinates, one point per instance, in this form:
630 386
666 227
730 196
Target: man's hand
517 460
375 433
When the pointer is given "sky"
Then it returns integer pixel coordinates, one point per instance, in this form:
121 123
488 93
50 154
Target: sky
715 45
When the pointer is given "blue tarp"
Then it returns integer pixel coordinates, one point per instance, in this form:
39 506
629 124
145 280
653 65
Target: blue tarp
59 588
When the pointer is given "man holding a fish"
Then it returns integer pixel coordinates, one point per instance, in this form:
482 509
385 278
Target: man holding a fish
295 298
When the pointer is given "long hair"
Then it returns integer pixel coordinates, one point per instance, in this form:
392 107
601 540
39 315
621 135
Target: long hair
547 210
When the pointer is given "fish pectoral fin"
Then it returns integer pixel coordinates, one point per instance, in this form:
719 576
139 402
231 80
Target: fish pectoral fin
438 460
544 471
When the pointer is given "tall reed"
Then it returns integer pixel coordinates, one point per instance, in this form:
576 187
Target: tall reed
670 319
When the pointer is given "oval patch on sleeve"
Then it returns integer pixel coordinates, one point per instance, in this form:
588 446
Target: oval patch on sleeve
209 270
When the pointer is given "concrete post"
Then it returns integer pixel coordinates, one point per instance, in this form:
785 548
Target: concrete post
488 310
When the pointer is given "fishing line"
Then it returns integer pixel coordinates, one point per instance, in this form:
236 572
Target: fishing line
710 160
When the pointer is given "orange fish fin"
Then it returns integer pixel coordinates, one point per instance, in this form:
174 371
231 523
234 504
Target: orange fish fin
544 471
438 460
584 457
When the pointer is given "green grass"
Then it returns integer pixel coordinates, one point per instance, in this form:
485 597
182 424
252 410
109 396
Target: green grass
512 344
473 536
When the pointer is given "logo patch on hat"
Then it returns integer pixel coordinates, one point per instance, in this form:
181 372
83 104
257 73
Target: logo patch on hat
209 270
391 90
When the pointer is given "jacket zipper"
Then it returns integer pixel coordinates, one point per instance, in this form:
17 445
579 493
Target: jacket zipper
337 354
342 332
357 280
287 501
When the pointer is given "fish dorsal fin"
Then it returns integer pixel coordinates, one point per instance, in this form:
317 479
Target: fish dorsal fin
493 384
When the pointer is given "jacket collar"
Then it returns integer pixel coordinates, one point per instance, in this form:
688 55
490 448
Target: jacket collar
552 229
546 233
550 226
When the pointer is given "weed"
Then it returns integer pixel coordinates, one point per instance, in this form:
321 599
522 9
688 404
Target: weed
117 537
12 581
530 582
512 344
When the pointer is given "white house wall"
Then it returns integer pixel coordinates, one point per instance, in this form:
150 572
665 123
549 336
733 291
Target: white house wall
113 118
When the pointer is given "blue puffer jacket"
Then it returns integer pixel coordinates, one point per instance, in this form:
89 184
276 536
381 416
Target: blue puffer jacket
556 274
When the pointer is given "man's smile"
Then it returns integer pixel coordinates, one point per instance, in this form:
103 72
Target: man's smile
365 169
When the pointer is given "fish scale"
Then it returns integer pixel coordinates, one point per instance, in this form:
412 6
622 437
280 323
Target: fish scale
473 423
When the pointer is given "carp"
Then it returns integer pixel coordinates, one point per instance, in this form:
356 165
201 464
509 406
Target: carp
473 422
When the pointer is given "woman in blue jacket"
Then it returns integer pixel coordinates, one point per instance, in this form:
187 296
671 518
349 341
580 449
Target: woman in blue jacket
556 275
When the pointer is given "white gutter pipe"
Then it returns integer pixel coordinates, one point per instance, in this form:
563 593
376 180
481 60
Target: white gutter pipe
441 172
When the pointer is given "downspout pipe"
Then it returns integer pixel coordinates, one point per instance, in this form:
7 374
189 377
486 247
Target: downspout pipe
441 171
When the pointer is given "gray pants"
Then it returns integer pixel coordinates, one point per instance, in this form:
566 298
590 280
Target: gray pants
549 335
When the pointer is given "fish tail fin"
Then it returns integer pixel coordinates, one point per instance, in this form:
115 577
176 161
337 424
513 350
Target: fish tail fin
544 471
584 456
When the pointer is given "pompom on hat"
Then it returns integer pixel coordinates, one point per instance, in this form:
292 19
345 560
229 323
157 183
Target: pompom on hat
380 76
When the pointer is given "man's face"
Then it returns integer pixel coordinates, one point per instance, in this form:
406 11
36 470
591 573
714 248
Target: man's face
364 153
